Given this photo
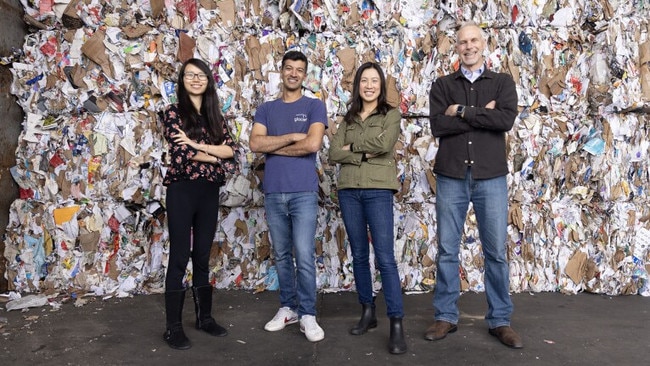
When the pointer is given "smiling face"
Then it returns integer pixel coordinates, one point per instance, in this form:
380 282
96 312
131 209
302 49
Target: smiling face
369 86
195 80
294 73
470 45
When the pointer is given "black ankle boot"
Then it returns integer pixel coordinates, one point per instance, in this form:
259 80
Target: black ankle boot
396 344
176 338
203 307
368 320
174 335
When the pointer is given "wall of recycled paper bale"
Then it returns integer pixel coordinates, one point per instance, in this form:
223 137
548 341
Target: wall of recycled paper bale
92 76
13 29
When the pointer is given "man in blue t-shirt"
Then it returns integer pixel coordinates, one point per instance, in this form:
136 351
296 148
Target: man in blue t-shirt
289 130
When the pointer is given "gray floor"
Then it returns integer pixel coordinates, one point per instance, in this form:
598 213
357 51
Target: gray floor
556 329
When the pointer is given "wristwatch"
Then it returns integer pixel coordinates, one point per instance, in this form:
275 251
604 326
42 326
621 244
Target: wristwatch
460 111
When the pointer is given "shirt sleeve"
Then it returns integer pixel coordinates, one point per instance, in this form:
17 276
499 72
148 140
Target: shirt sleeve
319 112
441 124
501 118
336 152
180 154
230 165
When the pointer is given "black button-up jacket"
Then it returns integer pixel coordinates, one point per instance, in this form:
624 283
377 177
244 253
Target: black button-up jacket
478 138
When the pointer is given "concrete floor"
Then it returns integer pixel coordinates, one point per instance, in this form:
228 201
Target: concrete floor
556 329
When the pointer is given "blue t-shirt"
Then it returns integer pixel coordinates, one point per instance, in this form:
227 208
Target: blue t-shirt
289 174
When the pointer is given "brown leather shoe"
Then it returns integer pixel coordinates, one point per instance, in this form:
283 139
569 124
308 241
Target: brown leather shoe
439 330
507 336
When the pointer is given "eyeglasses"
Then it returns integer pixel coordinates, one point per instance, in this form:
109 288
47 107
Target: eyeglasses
192 75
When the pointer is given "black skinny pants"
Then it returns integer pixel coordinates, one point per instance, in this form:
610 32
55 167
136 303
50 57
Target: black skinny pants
192 212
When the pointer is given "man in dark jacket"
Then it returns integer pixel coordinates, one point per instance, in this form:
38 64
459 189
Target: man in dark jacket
471 110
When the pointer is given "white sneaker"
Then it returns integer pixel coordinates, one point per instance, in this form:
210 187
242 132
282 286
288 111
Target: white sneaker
310 327
282 318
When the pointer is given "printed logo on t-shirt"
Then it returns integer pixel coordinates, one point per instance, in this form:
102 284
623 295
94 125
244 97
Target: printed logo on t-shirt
300 117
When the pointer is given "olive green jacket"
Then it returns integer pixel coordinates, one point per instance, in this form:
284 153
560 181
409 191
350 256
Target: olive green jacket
377 135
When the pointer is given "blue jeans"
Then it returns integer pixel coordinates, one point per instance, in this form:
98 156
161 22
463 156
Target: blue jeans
490 201
363 208
291 218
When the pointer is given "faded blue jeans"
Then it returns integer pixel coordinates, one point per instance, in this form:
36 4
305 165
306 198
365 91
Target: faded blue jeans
291 218
372 208
490 201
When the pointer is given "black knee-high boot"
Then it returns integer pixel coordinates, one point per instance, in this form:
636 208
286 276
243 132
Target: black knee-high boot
368 320
203 307
174 335
396 344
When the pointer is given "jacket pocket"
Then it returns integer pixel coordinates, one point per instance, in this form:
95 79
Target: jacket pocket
381 170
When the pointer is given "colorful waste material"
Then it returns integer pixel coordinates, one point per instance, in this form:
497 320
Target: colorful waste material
92 76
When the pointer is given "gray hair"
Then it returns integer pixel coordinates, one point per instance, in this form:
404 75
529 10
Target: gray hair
471 23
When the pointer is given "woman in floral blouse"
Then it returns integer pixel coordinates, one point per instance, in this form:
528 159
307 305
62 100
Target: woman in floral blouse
201 151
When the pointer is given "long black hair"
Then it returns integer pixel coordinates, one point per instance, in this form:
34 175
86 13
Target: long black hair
210 107
357 103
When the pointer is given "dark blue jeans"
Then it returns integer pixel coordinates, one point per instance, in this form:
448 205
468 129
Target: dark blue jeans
490 201
372 208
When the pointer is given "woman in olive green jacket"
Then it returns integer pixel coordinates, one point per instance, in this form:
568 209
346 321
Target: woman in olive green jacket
363 146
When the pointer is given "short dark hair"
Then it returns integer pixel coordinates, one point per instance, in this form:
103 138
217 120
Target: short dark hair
295 56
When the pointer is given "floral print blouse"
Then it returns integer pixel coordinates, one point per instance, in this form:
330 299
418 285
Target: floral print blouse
182 166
